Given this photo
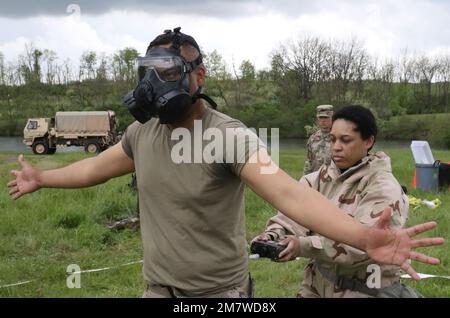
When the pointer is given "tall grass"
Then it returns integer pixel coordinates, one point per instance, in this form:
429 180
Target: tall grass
42 233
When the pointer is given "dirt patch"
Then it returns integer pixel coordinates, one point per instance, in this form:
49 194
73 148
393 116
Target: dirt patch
131 222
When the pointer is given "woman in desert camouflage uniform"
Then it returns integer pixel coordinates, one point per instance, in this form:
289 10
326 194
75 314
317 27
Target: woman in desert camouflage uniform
362 185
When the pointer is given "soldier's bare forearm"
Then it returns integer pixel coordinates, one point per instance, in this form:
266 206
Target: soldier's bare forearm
89 172
77 175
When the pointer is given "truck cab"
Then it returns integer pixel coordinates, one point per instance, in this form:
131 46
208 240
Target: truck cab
36 135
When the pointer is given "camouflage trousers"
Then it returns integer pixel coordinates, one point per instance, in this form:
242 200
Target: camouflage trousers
315 285
242 290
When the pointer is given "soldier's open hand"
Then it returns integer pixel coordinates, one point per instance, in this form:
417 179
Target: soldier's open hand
395 246
27 180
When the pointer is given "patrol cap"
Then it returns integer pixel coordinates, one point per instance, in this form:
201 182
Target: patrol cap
324 111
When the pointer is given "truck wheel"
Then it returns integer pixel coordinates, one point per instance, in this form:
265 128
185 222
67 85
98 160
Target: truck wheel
40 147
51 151
92 146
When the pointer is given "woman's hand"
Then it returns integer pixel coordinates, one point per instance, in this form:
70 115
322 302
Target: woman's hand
292 250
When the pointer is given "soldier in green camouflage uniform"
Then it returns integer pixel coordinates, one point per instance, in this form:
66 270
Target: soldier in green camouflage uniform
318 145
361 185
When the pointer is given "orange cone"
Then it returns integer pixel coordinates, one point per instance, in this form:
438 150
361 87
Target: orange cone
414 180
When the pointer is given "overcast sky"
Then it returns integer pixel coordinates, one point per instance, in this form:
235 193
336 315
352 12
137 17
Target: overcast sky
237 29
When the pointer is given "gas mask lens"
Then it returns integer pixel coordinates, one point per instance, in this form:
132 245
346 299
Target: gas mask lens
168 69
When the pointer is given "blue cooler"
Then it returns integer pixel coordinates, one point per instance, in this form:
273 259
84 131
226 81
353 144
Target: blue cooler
427 176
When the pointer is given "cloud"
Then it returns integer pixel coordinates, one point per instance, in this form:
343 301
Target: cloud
14 47
238 30
210 8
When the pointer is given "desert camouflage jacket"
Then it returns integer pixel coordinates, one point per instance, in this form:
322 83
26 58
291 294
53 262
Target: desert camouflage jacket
362 191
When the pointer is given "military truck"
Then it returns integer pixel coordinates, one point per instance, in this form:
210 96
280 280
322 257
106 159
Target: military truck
93 130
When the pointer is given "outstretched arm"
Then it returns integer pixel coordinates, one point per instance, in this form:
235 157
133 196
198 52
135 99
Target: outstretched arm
85 173
312 210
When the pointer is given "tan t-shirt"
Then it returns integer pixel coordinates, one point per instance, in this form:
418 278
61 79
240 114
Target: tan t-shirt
192 214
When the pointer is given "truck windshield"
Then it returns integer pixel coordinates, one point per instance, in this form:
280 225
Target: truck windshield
33 124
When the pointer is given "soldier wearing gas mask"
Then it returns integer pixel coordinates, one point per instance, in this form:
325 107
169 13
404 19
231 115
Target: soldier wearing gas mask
165 84
191 214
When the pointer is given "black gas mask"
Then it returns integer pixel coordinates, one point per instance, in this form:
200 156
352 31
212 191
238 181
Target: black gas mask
163 89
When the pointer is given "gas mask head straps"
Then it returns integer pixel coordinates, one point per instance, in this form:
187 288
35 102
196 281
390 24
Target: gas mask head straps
177 39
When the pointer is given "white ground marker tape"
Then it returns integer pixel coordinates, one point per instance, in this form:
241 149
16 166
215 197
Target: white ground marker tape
85 271
19 283
426 276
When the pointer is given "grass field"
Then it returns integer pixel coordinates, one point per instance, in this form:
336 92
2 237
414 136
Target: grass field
41 234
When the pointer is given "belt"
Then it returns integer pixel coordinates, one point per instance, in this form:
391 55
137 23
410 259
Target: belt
343 282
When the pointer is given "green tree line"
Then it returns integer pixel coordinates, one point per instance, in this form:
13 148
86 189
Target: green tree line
303 73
